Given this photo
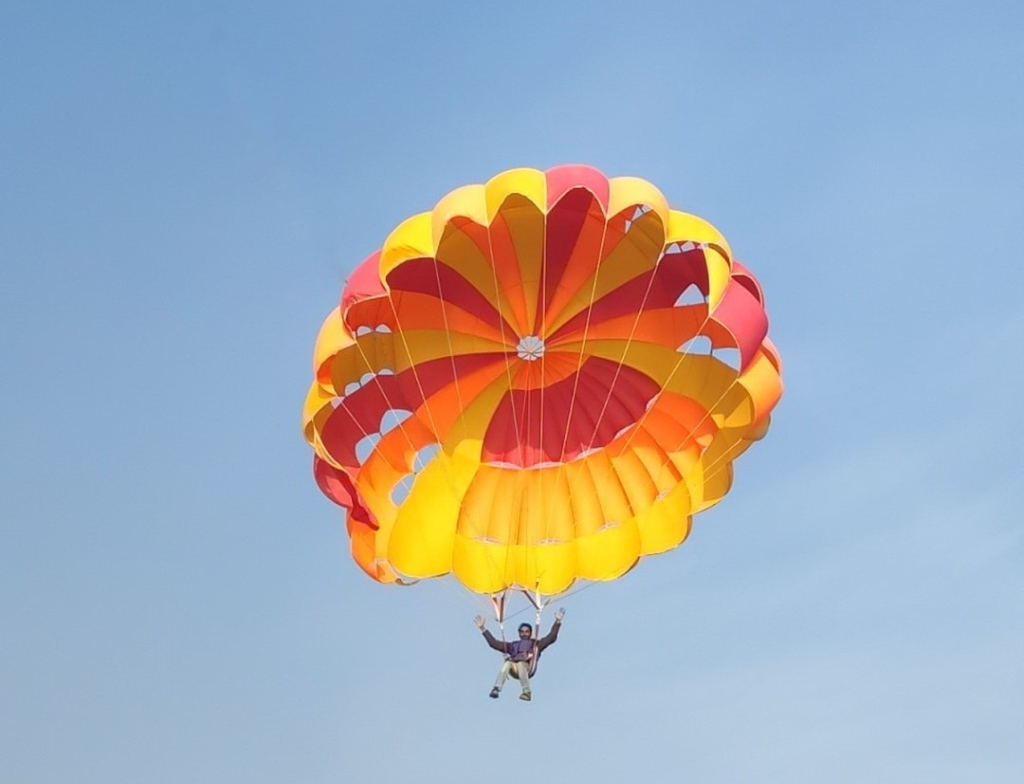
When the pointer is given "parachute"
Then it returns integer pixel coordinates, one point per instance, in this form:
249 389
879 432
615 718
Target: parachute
539 381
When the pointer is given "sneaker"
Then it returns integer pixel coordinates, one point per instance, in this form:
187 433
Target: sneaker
494 693
525 696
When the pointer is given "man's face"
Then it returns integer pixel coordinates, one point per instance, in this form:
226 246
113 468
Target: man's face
525 632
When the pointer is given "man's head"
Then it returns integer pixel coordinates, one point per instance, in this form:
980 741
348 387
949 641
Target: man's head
525 631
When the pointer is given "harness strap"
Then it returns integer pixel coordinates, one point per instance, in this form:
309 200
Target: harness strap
537 600
498 603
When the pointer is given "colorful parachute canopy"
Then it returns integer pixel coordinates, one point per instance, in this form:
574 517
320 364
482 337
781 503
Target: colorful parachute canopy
540 380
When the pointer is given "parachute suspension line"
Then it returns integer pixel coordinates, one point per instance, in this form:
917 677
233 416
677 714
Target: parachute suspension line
479 603
586 586
579 360
391 404
455 374
586 330
537 328
380 387
679 362
610 472
724 460
419 386
704 417
625 351
538 602
451 348
433 426
498 603
491 564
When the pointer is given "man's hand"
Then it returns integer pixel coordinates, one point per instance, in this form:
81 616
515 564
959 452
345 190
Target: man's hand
560 614
479 621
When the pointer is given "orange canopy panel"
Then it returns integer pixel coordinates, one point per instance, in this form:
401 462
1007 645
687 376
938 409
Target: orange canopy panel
541 380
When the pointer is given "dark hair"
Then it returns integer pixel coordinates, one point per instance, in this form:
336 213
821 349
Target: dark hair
525 626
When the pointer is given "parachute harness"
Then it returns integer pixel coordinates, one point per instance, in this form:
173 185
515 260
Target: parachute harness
538 603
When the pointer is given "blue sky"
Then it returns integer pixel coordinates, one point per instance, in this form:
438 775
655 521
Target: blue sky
185 187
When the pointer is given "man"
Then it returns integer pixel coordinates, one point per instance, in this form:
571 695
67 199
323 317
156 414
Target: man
520 655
